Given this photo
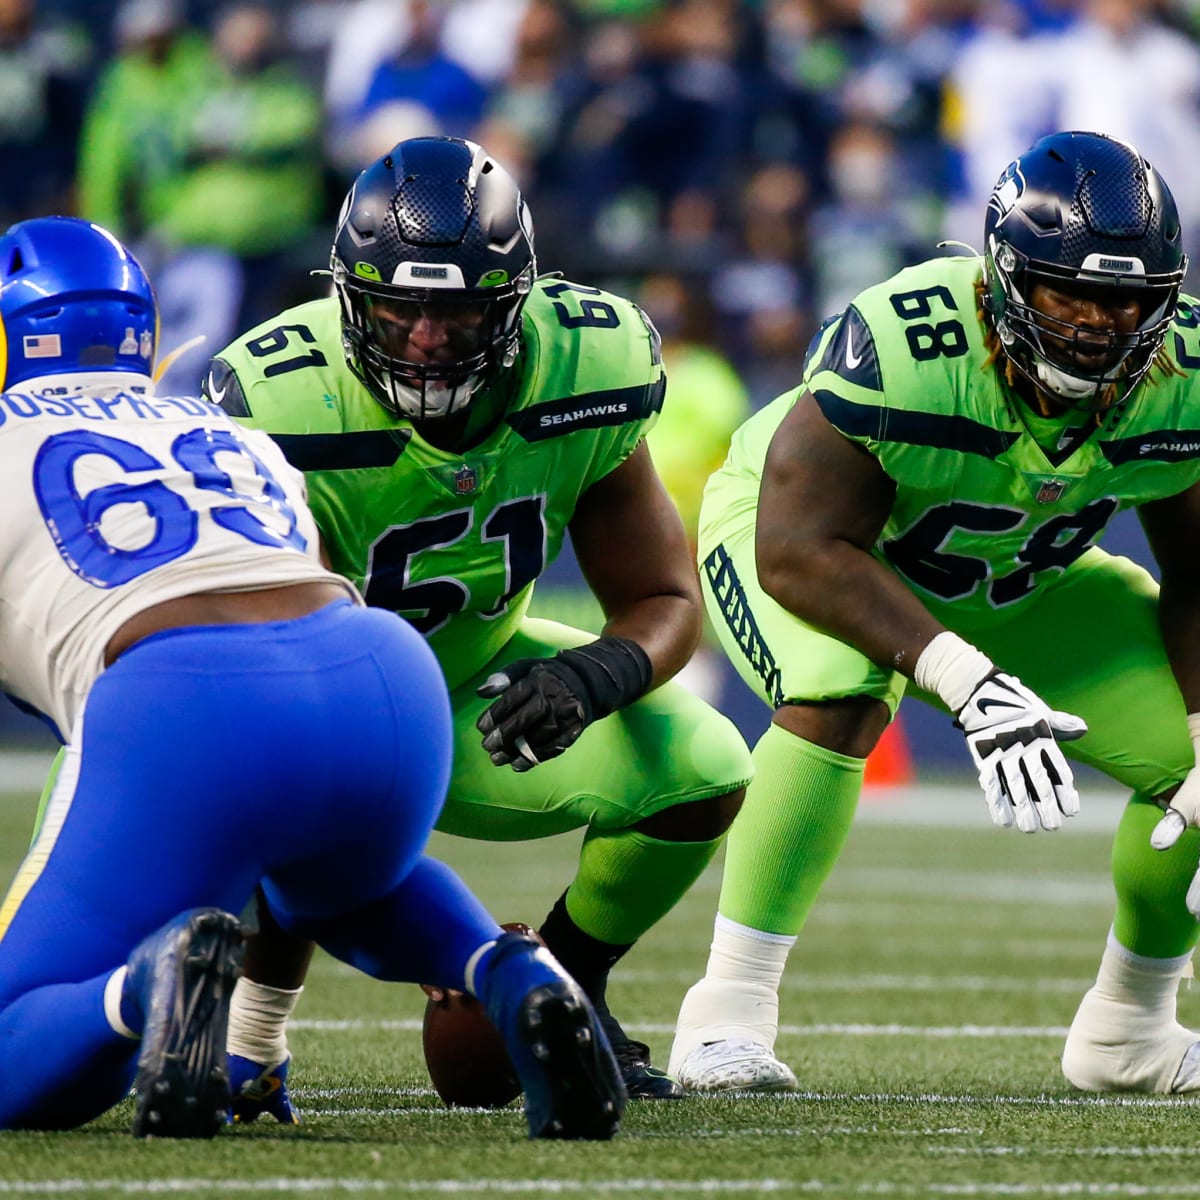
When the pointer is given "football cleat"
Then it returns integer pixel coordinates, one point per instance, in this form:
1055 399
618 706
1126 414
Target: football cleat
570 1077
1113 1046
181 979
643 1080
260 1091
735 1065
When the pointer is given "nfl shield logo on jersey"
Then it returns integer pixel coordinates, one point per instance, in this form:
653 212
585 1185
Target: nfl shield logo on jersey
465 480
1051 490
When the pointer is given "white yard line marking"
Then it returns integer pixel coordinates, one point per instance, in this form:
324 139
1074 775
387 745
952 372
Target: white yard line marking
933 1031
421 1187
887 983
1076 1152
1043 1101
965 1099
992 887
412 1025
590 1187
328 967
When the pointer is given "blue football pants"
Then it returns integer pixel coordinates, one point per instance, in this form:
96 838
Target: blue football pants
309 755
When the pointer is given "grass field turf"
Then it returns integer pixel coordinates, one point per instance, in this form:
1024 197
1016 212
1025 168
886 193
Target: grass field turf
923 1011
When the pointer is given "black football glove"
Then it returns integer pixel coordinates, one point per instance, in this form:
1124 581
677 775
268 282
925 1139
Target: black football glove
544 704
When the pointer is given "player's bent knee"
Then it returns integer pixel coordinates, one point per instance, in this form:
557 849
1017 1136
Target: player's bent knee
850 726
695 820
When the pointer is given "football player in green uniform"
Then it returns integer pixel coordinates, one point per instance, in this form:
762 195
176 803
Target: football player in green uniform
923 510
455 417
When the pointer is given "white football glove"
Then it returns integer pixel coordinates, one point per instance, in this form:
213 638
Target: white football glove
1184 810
1013 737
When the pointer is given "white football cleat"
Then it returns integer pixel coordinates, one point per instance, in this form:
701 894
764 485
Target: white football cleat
1118 1047
735 1065
729 1019
1125 1037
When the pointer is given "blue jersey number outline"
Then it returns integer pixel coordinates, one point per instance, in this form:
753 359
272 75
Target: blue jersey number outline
73 520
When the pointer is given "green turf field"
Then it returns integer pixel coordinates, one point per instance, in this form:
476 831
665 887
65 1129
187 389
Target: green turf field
923 1011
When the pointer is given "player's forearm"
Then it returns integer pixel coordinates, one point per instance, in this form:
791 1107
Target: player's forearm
842 590
667 627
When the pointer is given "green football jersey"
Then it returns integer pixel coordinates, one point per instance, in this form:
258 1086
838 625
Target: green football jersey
453 542
991 501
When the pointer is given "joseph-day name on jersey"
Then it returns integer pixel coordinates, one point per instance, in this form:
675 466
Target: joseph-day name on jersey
991 501
106 489
453 542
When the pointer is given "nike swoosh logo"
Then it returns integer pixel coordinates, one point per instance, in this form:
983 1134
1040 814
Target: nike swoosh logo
215 396
852 360
984 704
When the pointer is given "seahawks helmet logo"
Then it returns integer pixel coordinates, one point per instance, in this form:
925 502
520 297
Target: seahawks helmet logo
1007 191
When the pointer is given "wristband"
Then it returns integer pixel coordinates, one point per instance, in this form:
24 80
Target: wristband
614 671
1193 724
952 669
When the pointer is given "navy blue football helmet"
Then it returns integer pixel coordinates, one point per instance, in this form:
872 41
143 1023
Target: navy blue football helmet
1081 211
72 298
435 228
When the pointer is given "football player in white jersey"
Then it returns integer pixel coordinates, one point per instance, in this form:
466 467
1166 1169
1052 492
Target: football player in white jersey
164 607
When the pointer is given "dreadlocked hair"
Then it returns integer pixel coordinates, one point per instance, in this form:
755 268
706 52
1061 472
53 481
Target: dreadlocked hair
991 340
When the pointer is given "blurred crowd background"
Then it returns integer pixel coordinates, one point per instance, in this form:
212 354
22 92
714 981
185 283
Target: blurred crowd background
740 167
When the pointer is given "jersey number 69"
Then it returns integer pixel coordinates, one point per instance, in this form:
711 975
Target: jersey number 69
74 520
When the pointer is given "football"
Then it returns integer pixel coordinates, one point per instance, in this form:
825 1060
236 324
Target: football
467 1061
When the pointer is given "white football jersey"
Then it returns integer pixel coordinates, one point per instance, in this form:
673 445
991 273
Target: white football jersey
115 499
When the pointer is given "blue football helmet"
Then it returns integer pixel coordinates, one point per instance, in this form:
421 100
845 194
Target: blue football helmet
1081 211
72 298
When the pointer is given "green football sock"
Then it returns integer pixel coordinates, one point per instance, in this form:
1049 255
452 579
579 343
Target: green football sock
1152 919
798 812
628 881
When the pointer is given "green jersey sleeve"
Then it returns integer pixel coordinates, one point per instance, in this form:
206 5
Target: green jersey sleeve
991 501
452 542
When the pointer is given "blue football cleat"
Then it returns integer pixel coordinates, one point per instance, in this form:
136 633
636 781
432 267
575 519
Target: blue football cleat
260 1091
571 1081
181 979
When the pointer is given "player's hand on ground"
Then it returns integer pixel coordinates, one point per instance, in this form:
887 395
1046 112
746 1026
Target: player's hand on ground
1013 738
1183 812
538 713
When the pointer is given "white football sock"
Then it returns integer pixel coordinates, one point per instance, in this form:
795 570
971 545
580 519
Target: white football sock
739 994
1125 1036
258 1017
112 1005
473 965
